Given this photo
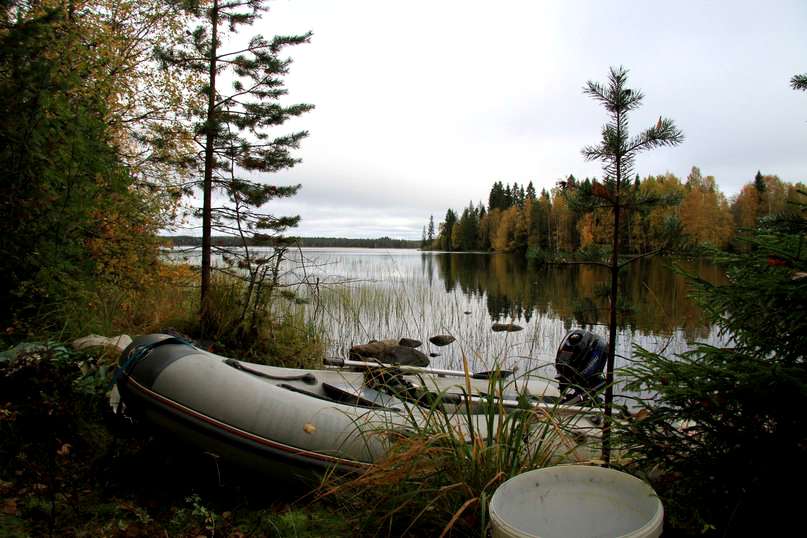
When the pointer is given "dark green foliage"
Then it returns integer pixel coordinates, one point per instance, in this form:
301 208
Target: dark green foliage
725 437
498 198
60 172
765 307
468 229
446 229
759 182
799 82
530 192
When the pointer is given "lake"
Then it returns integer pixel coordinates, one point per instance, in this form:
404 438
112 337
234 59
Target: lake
361 294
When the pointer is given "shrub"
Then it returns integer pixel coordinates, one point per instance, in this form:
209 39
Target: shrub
723 437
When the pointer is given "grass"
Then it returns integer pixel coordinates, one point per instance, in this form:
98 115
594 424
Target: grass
443 466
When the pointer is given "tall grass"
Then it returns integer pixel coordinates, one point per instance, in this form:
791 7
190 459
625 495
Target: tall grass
283 337
442 468
165 299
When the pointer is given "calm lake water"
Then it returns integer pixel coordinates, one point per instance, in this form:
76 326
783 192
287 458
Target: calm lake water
363 294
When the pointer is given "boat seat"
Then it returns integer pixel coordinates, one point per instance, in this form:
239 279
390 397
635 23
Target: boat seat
351 395
336 395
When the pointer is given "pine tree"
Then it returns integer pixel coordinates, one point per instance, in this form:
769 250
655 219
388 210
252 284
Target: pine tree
233 129
617 151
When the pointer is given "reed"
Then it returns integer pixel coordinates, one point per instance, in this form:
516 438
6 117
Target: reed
443 466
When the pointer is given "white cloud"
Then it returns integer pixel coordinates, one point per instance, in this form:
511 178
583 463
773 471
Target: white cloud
420 105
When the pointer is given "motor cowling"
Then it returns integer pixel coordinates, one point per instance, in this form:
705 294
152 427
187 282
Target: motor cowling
579 362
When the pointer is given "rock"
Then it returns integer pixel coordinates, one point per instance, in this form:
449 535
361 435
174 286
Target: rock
434 354
389 353
406 356
117 342
387 342
409 342
371 350
508 327
442 339
467 312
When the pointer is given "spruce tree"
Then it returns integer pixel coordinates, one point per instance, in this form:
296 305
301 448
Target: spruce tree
530 192
724 435
759 183
447 227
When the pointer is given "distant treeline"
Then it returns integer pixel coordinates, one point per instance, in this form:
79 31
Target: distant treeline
227 241
518 219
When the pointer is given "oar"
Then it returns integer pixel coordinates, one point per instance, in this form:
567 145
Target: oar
563 408
347 363
559 407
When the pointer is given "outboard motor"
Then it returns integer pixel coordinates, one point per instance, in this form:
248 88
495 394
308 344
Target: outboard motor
579 364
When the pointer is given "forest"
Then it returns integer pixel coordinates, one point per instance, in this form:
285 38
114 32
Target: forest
670 214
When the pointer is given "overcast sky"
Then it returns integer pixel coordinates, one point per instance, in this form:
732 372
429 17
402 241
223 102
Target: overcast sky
421 106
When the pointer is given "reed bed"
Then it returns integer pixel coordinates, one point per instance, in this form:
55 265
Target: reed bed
444 464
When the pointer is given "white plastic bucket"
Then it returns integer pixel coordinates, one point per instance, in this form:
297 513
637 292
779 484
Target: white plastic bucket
574 501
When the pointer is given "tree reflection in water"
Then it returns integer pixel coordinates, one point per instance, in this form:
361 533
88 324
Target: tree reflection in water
654 299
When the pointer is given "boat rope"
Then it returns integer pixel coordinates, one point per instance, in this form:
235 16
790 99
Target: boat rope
306 378
138 353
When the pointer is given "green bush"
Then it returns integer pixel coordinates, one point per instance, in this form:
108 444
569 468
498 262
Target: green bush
723 439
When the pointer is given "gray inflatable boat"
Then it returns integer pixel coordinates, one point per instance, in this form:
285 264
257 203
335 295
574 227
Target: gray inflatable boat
289 423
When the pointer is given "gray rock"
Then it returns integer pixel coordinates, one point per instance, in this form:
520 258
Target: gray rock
118 343
409 342
363 351
387 342
508 327
389 353
442 339
403 355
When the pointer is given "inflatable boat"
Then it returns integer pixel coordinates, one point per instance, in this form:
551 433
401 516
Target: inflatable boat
296 423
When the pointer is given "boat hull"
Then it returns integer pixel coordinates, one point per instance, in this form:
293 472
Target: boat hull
280 422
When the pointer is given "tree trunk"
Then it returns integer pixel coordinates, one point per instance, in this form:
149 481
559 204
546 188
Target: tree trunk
208 177
609 367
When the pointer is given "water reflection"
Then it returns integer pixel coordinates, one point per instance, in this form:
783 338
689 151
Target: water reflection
654 298
364 294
